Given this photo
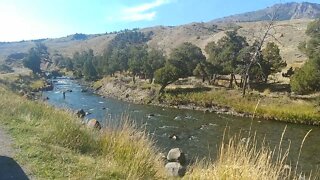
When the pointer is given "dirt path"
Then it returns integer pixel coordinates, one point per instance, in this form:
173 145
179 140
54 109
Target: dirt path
9 168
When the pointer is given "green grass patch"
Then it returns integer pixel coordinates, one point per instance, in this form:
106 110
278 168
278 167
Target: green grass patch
37 84
281 108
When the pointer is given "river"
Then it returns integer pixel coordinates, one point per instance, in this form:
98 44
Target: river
199 134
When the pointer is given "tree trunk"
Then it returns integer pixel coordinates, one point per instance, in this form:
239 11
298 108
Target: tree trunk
244 87
203 79
134 79
235 80
231 80
213 79
161 91
266 79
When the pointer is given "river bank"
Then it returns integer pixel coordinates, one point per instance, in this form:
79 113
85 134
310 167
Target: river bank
218 100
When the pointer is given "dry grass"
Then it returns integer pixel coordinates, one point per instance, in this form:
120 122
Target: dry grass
246 158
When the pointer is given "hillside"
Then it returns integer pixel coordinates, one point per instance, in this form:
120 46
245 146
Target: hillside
289 32
285 11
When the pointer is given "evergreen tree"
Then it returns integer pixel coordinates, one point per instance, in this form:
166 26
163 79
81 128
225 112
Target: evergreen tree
272 61
155 60
137 56
166 75
224 54
185 58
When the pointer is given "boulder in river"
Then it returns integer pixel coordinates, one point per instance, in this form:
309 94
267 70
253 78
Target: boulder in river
176 155
173 137
84 90
93 123
175 169
80 113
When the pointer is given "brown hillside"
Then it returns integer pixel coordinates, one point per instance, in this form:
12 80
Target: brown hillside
289 33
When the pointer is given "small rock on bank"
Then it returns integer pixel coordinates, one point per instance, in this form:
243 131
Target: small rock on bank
175 169
93 123
80 113
176 155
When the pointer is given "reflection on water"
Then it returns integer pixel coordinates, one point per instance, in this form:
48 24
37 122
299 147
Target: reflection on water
199 134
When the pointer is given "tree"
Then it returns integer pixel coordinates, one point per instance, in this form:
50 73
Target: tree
88 69
117 53
137 55
307 78
313 45
186 57
202 71
225 52
272 61
182 62
256 54
155 60
166 75
33 60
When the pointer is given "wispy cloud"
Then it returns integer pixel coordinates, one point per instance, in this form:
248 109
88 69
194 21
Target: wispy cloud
142 12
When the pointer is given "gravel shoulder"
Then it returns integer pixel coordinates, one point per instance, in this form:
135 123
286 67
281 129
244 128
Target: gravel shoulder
10 169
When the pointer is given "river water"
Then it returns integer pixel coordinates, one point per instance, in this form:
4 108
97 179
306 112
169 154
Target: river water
199 134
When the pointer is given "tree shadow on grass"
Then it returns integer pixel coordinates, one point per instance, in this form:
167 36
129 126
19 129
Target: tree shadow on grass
10 169
188 90
273 87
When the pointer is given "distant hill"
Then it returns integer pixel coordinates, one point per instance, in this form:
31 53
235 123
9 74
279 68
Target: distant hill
290 32
286 11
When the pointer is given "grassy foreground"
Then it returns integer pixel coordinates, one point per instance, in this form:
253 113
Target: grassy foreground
53 144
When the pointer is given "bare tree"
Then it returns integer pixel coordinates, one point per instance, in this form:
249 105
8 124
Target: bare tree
269 32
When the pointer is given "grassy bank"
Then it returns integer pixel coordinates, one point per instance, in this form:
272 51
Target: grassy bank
53 144
282 108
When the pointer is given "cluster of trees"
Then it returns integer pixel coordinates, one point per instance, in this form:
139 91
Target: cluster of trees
307 78
229 56
128 53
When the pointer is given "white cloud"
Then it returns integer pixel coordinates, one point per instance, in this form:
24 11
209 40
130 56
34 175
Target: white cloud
140 16
145 7
140 12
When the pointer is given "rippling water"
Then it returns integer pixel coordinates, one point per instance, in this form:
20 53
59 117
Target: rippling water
199 134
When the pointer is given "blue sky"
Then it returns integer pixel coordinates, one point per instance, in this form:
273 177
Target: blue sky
34 19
